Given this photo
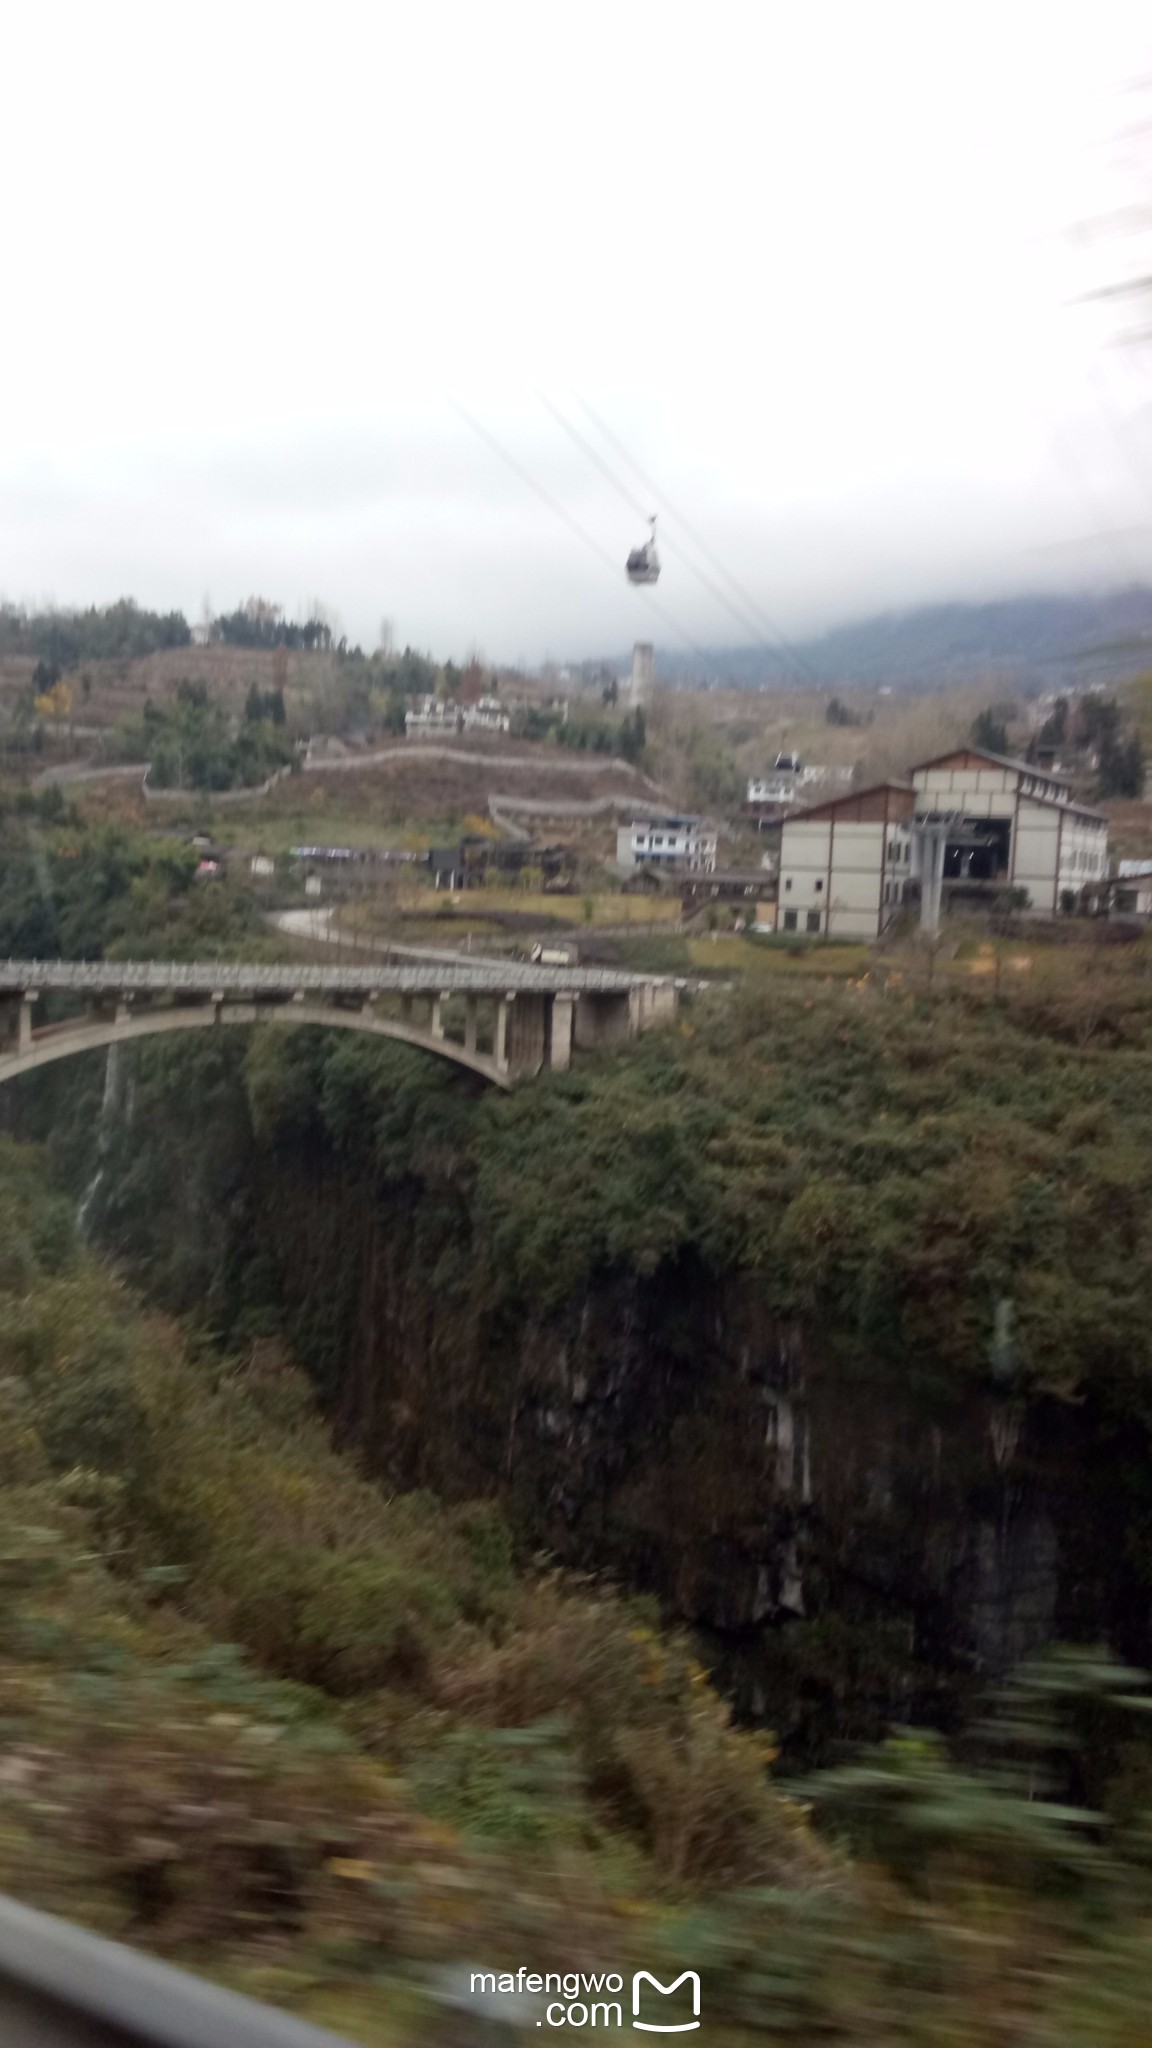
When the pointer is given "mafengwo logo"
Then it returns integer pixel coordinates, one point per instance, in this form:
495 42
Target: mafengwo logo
665 2026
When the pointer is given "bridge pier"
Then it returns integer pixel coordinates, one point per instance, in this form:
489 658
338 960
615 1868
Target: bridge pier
16 1023
560 1036
603 1020
649 1003
527 1042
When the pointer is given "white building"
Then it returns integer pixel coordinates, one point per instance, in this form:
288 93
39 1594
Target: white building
788 782
1040 840
773 789
845 864
684 842
1133 888
486 716
840 860
434 715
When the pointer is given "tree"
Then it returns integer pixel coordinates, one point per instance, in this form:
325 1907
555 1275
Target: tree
55 702
1097 721
989 732
1121 766
839 714
1054 731
260 706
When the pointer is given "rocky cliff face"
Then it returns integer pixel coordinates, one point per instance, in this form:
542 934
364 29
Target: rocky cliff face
855 1545
861 1531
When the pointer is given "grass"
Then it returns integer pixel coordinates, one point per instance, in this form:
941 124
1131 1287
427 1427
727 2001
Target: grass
757 957
608 908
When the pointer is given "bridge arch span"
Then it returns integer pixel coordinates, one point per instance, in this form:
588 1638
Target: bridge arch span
89 1034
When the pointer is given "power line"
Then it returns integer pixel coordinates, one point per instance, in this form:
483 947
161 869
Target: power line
767 625
562 512
582 442
1069 461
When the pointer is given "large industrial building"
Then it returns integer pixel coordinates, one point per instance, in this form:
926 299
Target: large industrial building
968 824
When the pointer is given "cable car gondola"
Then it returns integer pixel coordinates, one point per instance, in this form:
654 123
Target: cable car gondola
643 564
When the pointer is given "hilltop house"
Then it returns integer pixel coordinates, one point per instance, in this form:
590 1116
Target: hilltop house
433 715
771 795
678 843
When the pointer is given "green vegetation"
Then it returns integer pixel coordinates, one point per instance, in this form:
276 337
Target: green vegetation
83 893
625 736
839 713
62 638
260 624
1119 754
262 1718
196 745
254 1712
989 729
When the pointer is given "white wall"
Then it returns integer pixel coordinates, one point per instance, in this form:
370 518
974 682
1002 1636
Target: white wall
836 874
1037 836
945 783
1083 856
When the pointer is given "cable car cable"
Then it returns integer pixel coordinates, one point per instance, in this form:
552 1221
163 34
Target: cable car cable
581 441
555 506
767 625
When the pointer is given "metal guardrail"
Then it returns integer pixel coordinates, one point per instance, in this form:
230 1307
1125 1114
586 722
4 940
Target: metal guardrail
61 1987
475 976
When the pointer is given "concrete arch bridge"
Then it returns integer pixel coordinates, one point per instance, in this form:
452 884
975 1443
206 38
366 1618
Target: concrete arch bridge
505 1022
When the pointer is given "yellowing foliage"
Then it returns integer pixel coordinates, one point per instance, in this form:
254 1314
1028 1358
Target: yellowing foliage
56 703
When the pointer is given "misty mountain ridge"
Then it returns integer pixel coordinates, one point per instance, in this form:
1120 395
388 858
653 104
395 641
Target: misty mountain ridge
1025 644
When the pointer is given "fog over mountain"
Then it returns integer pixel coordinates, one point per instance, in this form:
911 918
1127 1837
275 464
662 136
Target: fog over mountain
1027 644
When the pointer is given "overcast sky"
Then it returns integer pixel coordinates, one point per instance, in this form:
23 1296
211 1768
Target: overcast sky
815 266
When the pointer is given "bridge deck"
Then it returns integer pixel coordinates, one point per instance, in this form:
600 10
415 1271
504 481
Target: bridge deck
199 977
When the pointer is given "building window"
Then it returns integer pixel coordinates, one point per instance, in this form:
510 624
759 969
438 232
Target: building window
819 887
788 883
789 920
813 920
